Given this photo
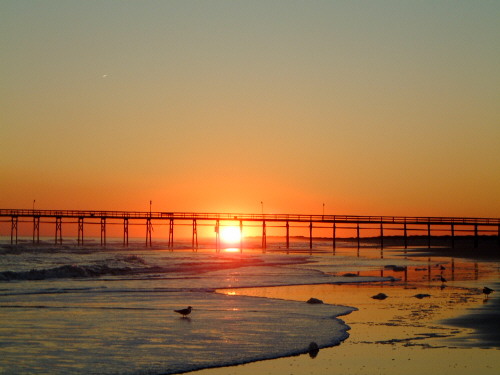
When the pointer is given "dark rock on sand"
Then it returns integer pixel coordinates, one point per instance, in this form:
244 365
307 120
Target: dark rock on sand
395 268
314 301
421 295
313 349
380 296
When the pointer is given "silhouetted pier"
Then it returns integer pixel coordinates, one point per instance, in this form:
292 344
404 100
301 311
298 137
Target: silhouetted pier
475 227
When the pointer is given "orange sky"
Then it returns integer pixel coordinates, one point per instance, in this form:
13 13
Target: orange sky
376 108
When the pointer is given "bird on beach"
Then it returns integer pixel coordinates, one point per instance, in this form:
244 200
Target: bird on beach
443 280
184 312
487 291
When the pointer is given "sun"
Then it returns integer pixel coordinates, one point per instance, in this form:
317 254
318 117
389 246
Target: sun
230 234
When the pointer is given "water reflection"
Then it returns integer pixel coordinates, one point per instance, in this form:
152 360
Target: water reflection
231 250
438 271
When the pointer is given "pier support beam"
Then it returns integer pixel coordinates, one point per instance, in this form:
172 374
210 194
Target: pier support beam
476 237
310 235
171 234
80 231
103 231
36 229
58 238
217 239
405 235
287 235
149 230
429 235
241 236
334 237
194 241
358 235
381 235
452 236
13 229
264 236
125 232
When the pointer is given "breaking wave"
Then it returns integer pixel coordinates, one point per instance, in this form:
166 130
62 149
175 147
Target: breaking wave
72 271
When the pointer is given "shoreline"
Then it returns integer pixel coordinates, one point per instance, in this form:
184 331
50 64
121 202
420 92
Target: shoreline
438 326
447 331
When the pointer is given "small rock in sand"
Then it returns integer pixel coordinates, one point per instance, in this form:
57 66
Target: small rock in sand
313 349
421 295
395 268
314 301
380 296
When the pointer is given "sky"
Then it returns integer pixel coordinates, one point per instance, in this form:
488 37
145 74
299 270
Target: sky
351 107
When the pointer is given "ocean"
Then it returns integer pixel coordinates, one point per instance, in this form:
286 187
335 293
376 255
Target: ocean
88 310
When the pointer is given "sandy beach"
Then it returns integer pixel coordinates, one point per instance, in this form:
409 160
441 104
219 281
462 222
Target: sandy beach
422 325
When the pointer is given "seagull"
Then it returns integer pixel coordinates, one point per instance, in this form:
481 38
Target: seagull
184 312
487 291
443 280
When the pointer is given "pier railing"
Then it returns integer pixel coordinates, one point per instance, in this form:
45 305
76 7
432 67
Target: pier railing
159 215
320 221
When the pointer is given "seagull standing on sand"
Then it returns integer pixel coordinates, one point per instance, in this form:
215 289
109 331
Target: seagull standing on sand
487 291
443 280
184 312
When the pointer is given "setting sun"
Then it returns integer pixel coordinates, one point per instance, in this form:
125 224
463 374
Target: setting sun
230 234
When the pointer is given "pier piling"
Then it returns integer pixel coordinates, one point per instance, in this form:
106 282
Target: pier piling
36 229
264 236
334 238
125 232
480 227
80 231
241 236
381 235
194 241
149 230
14 220
58 239
310 235
103 231
287 225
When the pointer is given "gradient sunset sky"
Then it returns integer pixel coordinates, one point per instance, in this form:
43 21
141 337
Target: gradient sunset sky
367 107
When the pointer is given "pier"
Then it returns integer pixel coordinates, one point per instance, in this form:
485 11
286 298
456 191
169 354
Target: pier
453 226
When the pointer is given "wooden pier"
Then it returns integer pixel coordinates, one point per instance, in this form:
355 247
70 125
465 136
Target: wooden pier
476 227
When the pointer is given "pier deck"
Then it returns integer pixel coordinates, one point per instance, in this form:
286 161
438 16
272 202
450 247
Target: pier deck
490 226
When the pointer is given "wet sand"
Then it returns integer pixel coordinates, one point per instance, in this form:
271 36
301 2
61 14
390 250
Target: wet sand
451 329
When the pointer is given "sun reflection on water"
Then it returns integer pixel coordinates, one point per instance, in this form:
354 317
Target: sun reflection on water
232 250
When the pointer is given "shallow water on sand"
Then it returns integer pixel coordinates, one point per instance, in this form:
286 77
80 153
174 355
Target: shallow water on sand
423 326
